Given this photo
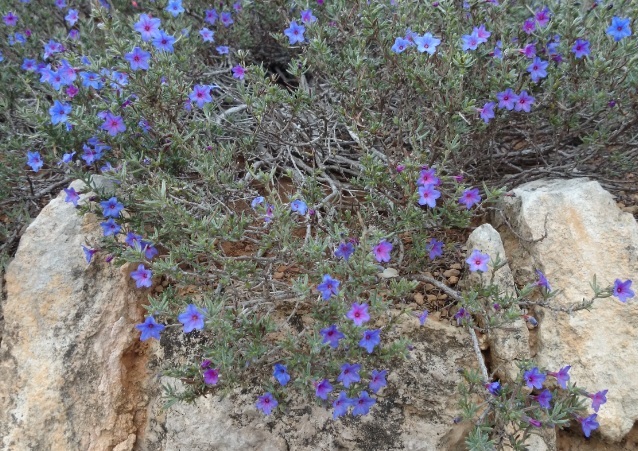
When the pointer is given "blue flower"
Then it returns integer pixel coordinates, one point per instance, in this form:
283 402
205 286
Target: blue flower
362 404
400 45
295 33
164 42
371 338
349 374
619 28
34 160
331 335
138 59
192 318
175 8
110 227
299 206
344 250
59 112
150 329
341 405
538 69
377 380
92 80
435 248
111 207
88 253
328 287
427 43
267 403
280 374
148 27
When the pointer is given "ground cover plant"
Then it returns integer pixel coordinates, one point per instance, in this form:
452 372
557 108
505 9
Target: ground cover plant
274 160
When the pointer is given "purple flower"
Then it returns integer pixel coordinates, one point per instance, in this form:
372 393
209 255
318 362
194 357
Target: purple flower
461 315
382 251
207 35
10 19
435 248
562 376
507 99
359 314
349 374
143 277
206 364
377 380
538 69
113 124
622 290
201 95
542 281
111 207
341 405
482 33
279 372
588 424
238 72
164 42
362 404
148 27
150 251
211 376
543 398
534 378
150 329
494 388
71 196
533 422
470 197
226 19
428 195
542 17
133 239
598 399
174 8
29 65
138 59
257 201
529 51
478 261
524 102
400 45
470 42
619 29
344 250
487 111
427 43
72 17
307 17
295 33
581 48
529 26
88 253
423 316
222 49
428 177
371 338
110 227
267 403
192 318
328 287
34 160
331 335
323 388
211 16
299 206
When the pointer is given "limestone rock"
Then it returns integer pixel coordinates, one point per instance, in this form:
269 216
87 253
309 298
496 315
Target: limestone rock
573 230
507 347
415 412
71 365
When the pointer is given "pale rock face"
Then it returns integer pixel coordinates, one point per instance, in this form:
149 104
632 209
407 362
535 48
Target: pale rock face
71 365
415 412
507 347
573 230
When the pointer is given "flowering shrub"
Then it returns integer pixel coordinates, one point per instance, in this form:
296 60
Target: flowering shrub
274 166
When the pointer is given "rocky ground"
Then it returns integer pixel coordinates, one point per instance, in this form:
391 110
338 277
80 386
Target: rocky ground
74 375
